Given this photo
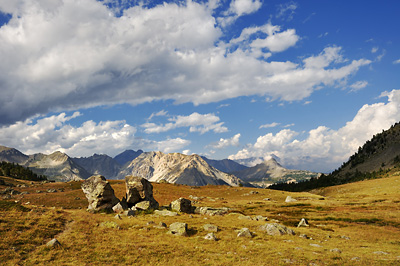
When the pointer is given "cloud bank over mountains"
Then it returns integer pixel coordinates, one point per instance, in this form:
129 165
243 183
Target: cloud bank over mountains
322 147
69 54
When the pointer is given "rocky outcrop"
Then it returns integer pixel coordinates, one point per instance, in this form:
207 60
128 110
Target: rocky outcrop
99 193
182 205
139 190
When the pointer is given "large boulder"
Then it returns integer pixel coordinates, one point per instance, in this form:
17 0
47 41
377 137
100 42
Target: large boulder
139 189
182 205
99 193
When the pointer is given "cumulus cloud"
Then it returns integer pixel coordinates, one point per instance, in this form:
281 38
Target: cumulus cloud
244 7
224 143
324 149
396 61
196 123
49 134
70 54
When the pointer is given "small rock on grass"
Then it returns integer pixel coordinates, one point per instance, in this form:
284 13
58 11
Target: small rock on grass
54 243
244 232
211 236
210 227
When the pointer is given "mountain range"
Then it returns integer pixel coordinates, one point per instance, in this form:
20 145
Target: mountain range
155 166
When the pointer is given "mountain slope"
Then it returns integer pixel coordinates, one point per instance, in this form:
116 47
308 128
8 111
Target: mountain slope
99 164
270 171
225 165
57 166
177 168
127 156
12 155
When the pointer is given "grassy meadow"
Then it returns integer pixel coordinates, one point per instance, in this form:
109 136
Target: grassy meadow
352 224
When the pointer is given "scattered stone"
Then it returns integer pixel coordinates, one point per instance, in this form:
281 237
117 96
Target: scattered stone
99 193
381 253
51 190
316 245
150 223
355 258
210 236
139 189
110 224
195 198
336 250
345 237
288 261
244 232
303 223
179 229
267 199
24 193
160 225
120 207
143 205
54 243
290 199
254 192
165 213
210 227
182 205
304 236
260 218
276 229
211 211
77 198
129 213
244 217
118 217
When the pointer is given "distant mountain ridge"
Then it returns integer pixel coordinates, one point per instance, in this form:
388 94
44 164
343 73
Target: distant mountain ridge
178 168
225 165
100 164
155 166
127 156
270 171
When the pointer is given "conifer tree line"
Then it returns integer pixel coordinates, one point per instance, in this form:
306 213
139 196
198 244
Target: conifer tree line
19 172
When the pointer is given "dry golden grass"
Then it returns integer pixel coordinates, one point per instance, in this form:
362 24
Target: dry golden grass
361 219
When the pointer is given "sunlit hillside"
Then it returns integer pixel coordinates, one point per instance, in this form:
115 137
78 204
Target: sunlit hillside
352 224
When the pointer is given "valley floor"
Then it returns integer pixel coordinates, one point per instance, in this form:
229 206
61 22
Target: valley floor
352 224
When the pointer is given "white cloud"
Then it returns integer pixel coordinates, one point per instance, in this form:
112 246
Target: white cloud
53 133
358 85
374 49
224 143
160 113
71 54
396 61
273 124
196 123
244 7
325 149
287 10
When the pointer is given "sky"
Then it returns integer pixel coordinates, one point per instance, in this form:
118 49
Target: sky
307 82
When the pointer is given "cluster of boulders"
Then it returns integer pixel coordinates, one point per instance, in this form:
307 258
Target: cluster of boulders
100 194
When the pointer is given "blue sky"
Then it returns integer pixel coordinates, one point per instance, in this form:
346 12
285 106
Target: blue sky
306 81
